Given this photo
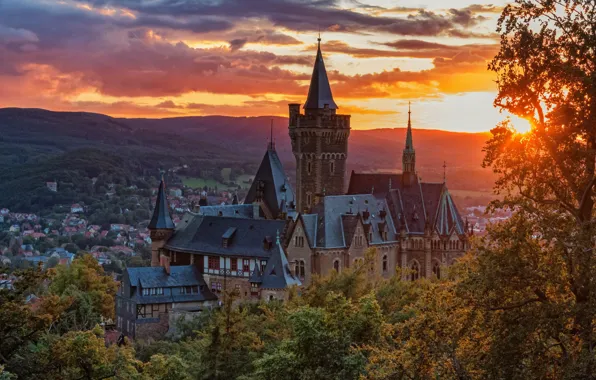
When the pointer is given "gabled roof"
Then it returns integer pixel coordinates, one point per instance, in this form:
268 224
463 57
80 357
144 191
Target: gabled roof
156 277
277 273
349 224
377 184
203 234
336 215
319 92
277 187
161 218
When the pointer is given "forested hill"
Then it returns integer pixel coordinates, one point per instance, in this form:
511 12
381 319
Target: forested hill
33 136
27 135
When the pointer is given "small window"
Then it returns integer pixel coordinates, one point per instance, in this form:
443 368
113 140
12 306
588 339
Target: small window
213 262
336 265
309 167
300 269
332 167
437 269
246 265
234 264
308 199
385 263
263 265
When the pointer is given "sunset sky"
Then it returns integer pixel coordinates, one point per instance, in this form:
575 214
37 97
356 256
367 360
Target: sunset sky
162 58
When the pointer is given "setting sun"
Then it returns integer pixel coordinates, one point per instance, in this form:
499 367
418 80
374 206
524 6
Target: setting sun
520 125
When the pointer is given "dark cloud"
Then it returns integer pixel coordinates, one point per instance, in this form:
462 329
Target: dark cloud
238 43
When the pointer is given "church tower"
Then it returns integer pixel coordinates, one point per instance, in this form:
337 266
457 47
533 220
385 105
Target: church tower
408 158
161 226
319 141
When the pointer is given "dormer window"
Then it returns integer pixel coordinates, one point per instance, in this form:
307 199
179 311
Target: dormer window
226 238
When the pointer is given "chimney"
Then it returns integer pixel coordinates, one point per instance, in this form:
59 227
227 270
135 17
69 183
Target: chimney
164 261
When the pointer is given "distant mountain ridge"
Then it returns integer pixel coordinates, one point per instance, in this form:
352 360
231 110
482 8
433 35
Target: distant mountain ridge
29 134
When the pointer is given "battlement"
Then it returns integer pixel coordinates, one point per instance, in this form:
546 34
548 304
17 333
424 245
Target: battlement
325 118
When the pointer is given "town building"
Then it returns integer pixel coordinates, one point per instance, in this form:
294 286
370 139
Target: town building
150 298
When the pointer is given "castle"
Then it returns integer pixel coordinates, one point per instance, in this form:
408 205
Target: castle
280 237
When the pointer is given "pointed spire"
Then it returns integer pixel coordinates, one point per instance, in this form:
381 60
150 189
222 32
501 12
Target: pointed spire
271 145
444 172
319 92
409 142
161 218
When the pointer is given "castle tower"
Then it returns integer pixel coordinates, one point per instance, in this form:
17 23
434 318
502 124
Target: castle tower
319 141
408 160
161 225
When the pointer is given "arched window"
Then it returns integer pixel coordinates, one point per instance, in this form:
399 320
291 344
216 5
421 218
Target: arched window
437 269
385 264
415 268
309 167
336 265
332 167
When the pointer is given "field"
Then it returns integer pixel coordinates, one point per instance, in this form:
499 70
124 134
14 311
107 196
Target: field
197 183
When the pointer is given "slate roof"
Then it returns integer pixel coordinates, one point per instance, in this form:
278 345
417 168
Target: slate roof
277 273
377 184
161 218
156 277
277 187
319 91
236 211
203 234
335 216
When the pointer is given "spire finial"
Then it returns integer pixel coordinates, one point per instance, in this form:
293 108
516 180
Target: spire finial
409 114
271 145
444 172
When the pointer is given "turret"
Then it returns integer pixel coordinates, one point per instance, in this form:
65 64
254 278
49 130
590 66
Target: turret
161 225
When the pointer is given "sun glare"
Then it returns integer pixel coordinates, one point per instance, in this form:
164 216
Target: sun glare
520 125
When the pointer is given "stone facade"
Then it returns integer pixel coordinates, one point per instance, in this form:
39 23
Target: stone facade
320 145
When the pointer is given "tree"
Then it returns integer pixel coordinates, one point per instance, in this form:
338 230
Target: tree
536 273
20 323
86 281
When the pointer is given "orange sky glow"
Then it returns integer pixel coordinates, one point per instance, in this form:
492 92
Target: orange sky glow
166 58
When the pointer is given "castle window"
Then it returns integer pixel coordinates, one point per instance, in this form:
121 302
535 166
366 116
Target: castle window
214 262
245 266
299 241
370 236
233 264
385 264
415 268
336 265
263 265
332 167
437 269
308 199
309 167
300 269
